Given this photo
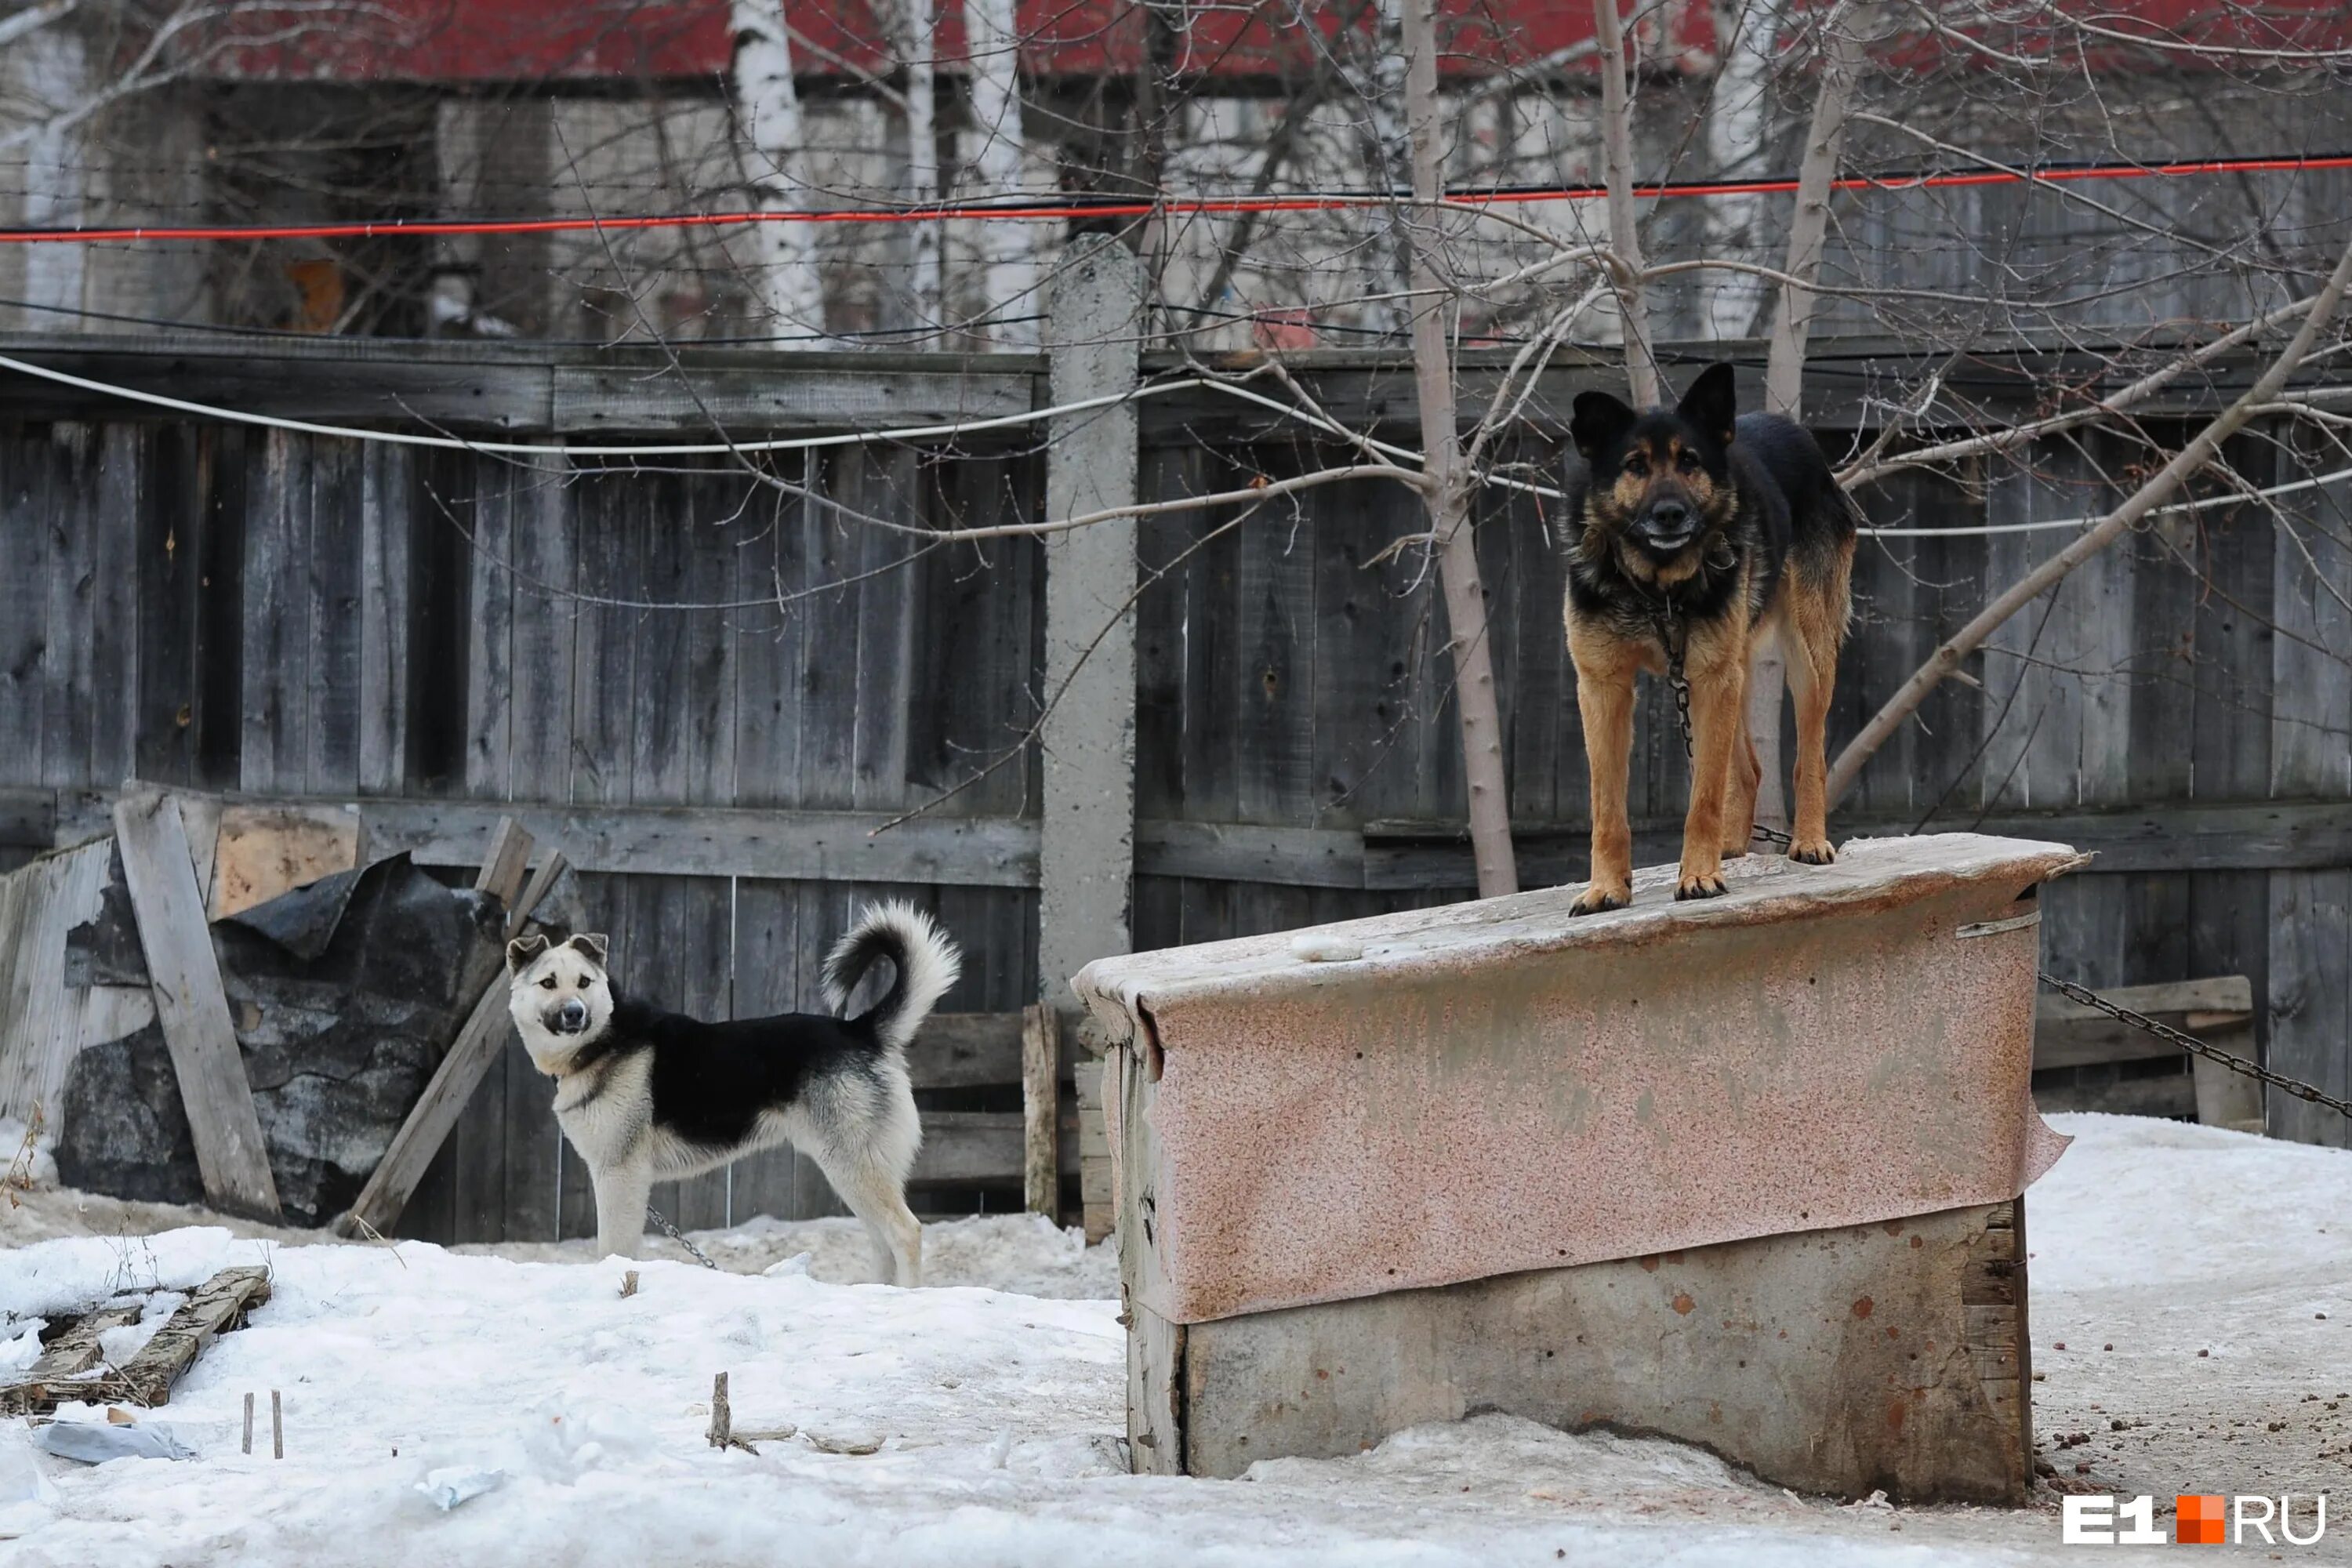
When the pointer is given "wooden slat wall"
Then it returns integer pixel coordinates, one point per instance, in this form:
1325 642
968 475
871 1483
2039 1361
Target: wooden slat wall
2155 677
232 609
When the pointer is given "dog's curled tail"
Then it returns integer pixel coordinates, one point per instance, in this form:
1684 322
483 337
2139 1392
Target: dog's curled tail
925 961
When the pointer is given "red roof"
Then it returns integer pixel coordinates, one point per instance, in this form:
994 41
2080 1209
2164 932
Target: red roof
535 40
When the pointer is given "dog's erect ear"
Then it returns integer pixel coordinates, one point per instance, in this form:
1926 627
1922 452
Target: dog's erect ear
1599 420
593 944
522 950
1713 402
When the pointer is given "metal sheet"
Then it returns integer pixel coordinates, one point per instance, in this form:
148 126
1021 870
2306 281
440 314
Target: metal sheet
1494 1086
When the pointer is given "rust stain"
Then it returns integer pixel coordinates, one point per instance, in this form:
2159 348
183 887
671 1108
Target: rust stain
1682 1303
1895 1227
1650 1264
1863 1308
1916 1241
1894 1413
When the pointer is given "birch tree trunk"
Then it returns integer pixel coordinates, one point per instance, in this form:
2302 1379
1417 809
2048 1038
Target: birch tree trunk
1738 126
914 35
1388 157
1841 66
52 70
771 143
1008 250
1624 220
1450 487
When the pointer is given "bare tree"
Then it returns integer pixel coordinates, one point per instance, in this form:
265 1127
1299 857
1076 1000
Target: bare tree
771 134
1446 485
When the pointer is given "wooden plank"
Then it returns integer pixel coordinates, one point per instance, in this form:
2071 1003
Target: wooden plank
333 667
2230 732
1276 629
829 695
1251 852
60 1372
385 526
1097 1203
263 851
886 613
113 694
40 1015
479 1044
217 1307
588 399
816 846
274 744
2310 1035
1041 1060
967 1050
66 722
2222 993
975 1148
1749 1347
185 976
171 523
997 852
25 500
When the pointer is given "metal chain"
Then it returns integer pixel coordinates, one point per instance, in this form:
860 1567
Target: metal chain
1666 617
678 1236
2194 1045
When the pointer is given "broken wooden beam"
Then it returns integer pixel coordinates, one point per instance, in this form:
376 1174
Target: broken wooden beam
63 1373
184 974
1040 1062
479 1044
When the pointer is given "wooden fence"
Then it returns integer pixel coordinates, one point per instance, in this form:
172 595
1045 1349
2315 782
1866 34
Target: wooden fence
454 634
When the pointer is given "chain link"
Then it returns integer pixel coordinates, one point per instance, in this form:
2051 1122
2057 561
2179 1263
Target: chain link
1668 621
678 1236
2194 1045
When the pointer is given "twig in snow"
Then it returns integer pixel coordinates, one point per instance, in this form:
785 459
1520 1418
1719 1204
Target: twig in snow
277 1426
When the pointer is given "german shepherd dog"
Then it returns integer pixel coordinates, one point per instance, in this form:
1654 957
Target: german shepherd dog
647 1096
1699 530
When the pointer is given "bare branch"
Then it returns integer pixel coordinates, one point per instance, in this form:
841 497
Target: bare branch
2200 450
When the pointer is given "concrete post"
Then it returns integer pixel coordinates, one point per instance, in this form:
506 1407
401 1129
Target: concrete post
1086 847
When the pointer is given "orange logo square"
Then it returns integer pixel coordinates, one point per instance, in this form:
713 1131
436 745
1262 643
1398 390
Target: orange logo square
2197 1522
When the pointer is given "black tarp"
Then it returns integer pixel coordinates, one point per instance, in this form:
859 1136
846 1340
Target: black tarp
344 995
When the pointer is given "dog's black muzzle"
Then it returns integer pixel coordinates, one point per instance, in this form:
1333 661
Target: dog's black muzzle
1667 528
572 1018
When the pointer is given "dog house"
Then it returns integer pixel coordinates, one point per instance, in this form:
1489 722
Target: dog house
1743 1172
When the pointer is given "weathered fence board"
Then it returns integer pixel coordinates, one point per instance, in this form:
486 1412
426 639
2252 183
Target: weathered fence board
444 637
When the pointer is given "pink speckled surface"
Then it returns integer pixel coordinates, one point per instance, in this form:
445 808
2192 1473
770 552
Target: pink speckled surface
1495 1087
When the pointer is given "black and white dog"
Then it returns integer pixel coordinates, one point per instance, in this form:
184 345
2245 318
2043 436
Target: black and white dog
647 1096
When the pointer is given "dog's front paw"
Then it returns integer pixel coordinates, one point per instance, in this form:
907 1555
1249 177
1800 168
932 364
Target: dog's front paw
1601 896
1699 884
1812 851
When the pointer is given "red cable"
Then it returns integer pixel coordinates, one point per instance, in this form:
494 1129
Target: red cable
1216 206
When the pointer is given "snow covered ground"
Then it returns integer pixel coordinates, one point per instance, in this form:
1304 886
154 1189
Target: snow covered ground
997 1399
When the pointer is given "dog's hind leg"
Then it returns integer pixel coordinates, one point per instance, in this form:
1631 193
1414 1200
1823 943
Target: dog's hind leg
1817 616
876 1195
621 1194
